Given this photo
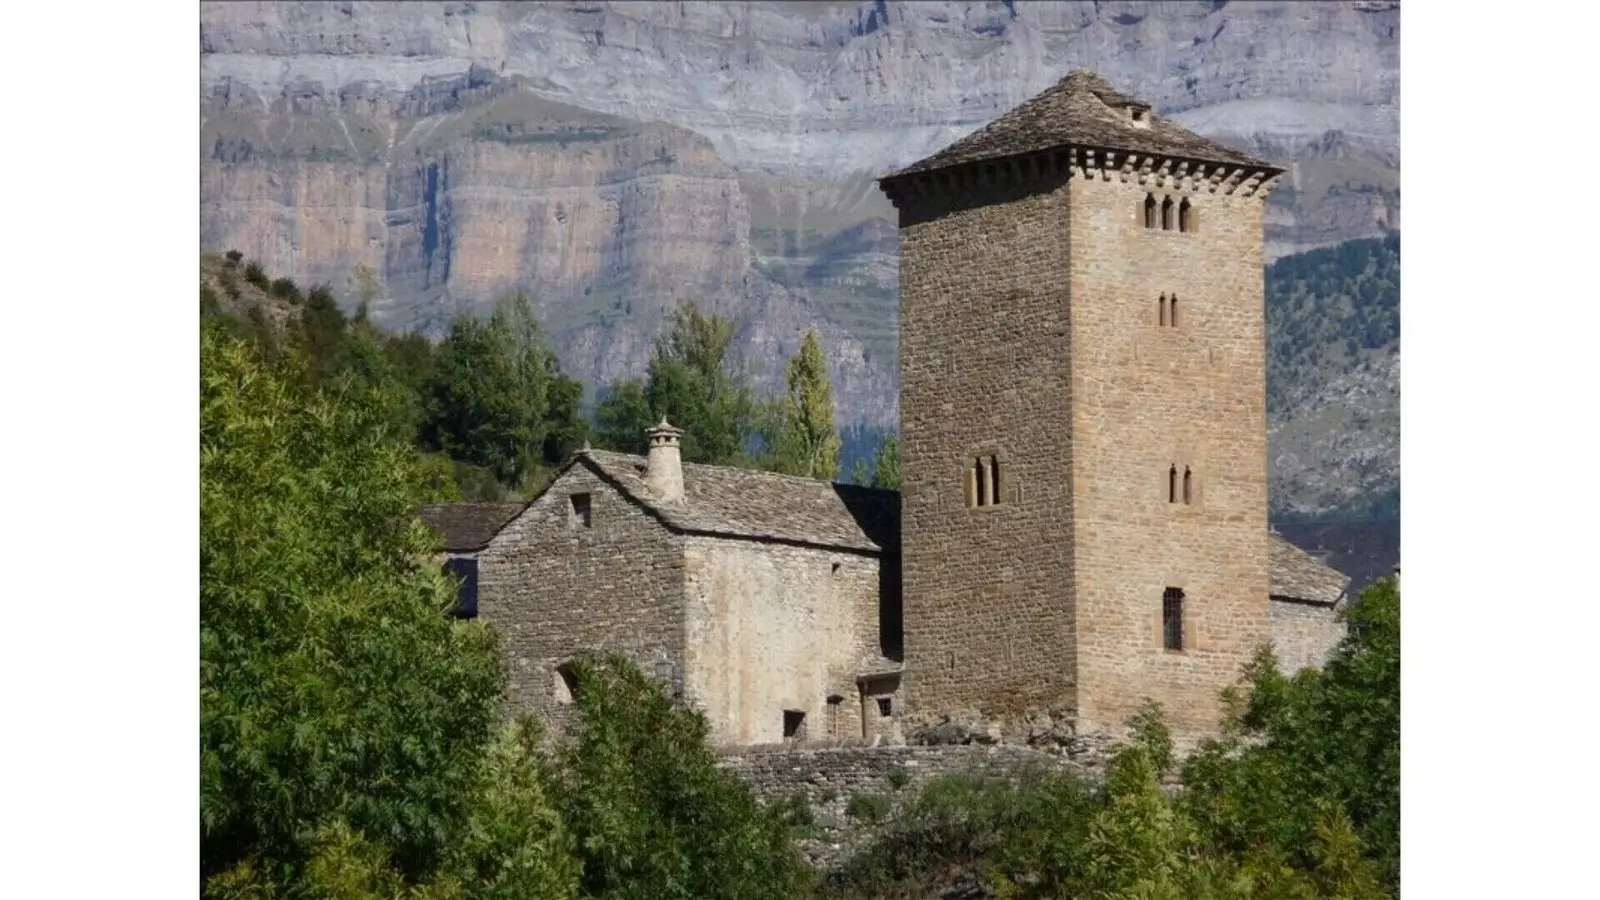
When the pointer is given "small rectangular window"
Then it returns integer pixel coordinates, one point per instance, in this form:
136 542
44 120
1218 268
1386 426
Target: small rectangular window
1172 618
885 706
579 516
794 724
465 569
834 703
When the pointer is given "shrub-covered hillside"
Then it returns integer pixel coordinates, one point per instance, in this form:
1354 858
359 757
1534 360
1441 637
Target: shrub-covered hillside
1333 381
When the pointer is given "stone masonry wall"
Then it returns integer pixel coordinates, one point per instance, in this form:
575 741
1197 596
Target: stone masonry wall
770 628
553 588
1304 634
984 361
1147 397
829 777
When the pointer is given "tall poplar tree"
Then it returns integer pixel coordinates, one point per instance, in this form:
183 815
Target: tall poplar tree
807 441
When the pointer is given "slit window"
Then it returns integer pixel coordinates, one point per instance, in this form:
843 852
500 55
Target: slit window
983 481
1185 216
1150 211
834 702
1188 486
1172 619
1172 311
1168 215
1162 306
1172 484
579 514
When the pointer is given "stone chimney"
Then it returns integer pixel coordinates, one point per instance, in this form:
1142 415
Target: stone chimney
664 473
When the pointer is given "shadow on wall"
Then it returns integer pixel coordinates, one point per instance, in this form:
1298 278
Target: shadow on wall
877 513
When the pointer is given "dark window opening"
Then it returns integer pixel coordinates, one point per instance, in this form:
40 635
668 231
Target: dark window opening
836 568
994 480
1172 484
1172 316
885 706
1162 305
1150 210
834 703
1188 485
982 480
794 724
1185 216
464 568
1167 215
580 516
1172 618
567 688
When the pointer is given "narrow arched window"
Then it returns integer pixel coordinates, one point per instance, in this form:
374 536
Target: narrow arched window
1162 306
1185 216
1150 210
1172 311
1188 486
1172 484
982 482
1168 215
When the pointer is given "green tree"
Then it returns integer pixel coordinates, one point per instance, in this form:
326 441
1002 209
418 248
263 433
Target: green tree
333 689
807 442
1303 755
694 383
886 465
486 401
621 418
652 814
565 428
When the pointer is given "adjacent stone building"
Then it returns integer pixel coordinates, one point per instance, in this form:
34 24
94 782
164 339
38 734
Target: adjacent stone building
1083 521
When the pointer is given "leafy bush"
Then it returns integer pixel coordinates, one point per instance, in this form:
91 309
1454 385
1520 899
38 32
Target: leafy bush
867 807
652 813
332 689
233 257
286 289
254 274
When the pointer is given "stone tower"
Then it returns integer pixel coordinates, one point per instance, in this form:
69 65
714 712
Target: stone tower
1083 415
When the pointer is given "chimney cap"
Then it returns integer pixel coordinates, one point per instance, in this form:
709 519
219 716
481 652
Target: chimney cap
663 431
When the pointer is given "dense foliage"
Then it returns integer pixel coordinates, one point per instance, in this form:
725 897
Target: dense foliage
334 690
659 820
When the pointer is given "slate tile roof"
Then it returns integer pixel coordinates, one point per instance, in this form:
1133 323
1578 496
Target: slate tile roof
721 500
1081 110
467 527
1297 575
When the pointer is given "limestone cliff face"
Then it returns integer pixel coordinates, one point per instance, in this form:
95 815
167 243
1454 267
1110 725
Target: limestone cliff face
464 189
821 92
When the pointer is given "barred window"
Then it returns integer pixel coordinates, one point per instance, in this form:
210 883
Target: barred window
1172 618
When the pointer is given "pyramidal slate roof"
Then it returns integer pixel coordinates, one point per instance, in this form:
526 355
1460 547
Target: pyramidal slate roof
721 500
466 527
1081 110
